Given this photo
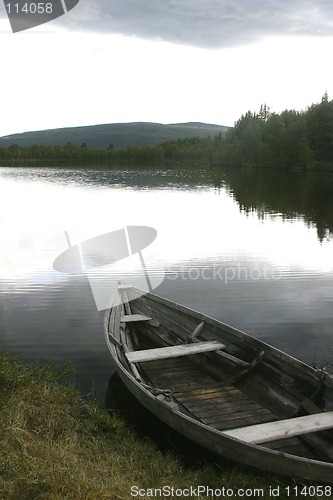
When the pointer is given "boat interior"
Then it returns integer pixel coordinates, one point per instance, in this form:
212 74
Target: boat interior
225 379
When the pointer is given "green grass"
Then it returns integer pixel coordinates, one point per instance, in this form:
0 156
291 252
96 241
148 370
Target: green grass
54 445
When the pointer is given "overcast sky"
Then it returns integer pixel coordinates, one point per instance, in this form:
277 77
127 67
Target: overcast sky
165 61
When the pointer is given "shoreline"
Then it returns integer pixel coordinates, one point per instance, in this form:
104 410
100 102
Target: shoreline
56 445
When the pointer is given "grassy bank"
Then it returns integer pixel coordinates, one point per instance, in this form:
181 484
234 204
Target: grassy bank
54 445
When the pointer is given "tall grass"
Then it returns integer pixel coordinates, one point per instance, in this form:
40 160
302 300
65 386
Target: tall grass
54 445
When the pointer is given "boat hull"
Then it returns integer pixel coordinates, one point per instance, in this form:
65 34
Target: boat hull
168 410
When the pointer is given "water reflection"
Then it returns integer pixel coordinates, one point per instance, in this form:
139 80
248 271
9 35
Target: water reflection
56 322
111 177
293 313
292 194
247 253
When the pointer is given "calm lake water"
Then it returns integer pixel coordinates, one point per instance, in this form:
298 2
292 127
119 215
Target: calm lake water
251 248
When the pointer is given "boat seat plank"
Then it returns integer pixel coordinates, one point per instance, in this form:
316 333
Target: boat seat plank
283 429
173 351
130 318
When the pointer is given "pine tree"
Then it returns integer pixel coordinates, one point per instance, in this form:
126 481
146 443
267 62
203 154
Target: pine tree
264 113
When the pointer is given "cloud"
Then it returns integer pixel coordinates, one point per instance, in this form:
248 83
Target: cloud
204 23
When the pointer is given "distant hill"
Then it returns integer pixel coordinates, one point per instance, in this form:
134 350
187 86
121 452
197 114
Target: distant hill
121 135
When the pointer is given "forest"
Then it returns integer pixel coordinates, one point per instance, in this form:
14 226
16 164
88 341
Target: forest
286 140
291 139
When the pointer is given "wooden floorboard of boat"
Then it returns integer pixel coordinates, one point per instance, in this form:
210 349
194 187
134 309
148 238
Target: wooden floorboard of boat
292 446
221 407
219 395
229 390
160 371
214 414
203 397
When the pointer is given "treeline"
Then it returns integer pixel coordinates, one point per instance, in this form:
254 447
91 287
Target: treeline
290 139
264 139
180 150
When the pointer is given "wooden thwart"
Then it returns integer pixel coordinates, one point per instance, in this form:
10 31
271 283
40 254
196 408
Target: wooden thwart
283 429
173 351
129 318
122 286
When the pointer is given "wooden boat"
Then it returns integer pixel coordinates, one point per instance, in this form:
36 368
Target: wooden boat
223 389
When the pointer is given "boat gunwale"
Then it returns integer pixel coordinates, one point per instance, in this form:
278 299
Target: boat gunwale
322 468
129 379
326 378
